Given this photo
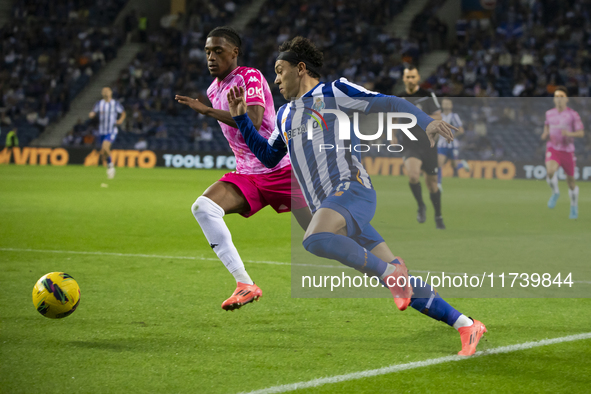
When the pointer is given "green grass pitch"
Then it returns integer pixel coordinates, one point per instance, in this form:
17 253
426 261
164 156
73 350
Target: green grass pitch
154 324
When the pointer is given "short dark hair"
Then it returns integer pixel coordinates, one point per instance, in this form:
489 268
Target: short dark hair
229 34
562 89
305 49
410 67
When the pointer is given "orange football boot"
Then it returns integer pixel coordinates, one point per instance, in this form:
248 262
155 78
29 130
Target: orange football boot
243 295
470 337
401 294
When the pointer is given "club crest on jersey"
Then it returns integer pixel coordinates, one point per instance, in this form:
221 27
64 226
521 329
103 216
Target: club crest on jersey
318 105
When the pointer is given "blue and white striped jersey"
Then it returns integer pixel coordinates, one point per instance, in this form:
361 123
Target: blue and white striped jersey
108 112
319 171
453 119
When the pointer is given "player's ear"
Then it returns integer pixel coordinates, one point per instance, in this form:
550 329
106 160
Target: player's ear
301 68
236 52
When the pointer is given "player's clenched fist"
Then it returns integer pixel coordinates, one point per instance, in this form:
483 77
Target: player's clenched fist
236 101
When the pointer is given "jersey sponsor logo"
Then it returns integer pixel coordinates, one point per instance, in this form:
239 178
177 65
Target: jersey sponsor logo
254 92
289 134
250 71
253 79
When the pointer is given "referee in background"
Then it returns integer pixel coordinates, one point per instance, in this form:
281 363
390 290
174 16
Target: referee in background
419 155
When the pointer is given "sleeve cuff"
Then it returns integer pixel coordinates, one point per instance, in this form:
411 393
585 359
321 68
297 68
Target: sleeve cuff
240 117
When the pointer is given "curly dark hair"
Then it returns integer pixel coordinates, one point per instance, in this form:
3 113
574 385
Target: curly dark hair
229 34
305 49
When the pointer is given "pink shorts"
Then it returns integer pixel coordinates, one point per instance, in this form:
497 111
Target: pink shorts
566 160
278 189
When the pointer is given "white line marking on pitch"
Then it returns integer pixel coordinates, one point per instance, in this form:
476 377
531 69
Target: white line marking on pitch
417 364
155 256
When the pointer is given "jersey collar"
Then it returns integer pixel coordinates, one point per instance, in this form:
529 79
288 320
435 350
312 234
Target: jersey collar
309 92
230 75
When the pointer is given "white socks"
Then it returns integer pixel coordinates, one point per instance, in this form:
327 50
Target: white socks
463 321
242 276
209 215
574 196
553 183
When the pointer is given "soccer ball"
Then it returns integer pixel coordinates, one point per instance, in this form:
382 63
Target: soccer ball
56 295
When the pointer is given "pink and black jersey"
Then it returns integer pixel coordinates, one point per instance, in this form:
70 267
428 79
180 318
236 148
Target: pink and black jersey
257 92
568 120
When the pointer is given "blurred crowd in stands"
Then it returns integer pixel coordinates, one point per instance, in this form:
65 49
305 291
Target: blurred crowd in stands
48 51
354 37
525 49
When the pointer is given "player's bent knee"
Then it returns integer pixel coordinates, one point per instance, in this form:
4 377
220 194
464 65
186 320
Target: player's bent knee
204 206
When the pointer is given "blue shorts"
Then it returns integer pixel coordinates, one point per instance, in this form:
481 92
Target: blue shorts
108 137
357 204
450 153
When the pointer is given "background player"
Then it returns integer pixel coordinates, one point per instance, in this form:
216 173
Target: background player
108 110
420 155
449 150
562 126
337 187
252 186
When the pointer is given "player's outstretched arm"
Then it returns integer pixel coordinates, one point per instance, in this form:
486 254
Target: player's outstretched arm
255 112
258 144
432 127
92 114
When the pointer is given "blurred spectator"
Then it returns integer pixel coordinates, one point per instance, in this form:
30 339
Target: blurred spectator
205 133
68 139
141 144
88 139
161 131
42 121
130 24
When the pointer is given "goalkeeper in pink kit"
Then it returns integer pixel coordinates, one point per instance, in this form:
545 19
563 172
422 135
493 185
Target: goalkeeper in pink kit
562 126
252 186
